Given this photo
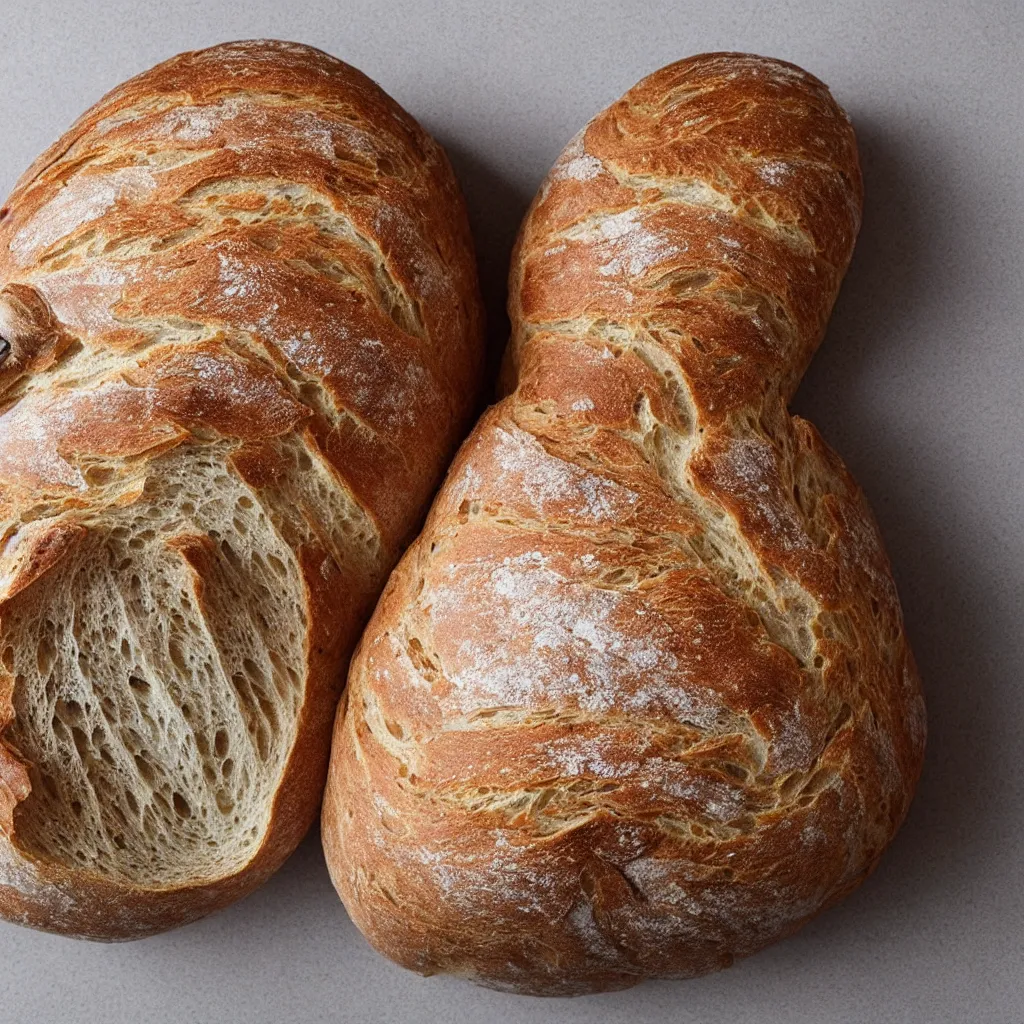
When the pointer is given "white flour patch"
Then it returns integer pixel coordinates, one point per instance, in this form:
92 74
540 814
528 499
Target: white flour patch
356 139
321 142
469 483
433 282
21 874
751 465
83 297
193 124
553 642
632 248
546 480
775 172
472 881
29 441
231 382
83 199
576 163
306 130
581 921
237 278
581 168
381 389
590 757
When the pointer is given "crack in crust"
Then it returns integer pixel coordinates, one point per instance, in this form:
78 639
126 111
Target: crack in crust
639 701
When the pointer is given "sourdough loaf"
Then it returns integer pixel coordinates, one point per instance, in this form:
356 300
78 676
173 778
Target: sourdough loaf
639 700
244 336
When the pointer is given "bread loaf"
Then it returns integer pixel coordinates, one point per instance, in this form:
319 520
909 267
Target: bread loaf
244 334
639 701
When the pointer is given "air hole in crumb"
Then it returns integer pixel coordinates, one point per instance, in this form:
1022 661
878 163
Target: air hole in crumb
220 743
144 768
97 476
46 656
81 742
138 684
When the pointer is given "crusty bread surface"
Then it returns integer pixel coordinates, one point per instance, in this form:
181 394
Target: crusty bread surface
639 701
243 337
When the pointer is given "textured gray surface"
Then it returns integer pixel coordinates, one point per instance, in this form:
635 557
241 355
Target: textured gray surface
920 386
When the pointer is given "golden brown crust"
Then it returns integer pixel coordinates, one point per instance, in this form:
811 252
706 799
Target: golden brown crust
638 701
246 245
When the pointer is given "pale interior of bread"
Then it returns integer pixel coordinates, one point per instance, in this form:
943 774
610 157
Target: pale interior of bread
157 722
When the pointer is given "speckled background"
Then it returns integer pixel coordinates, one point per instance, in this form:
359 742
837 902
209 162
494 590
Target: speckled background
919 385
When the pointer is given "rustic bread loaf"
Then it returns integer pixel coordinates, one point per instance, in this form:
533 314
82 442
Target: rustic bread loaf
243 337
639 700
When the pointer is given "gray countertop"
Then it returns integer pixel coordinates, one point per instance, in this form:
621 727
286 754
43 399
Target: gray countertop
919 385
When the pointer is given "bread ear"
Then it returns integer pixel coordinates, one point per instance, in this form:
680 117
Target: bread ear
32 339
639 700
